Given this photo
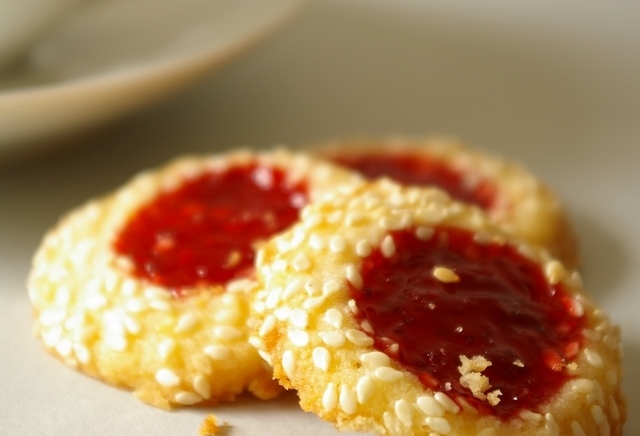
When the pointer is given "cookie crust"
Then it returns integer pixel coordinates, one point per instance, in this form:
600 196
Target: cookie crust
304 325
524 205
95 316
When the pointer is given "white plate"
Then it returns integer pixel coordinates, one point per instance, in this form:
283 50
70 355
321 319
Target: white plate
111 57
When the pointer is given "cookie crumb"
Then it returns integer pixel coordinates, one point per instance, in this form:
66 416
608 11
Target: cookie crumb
209 426
473 379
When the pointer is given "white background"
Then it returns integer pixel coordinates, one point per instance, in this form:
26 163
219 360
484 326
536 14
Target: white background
555 85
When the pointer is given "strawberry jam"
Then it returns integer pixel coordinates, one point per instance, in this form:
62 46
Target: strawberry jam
490 302
205 232
411 169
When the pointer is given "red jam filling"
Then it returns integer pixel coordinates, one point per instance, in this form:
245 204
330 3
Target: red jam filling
500 307
411 169
205 232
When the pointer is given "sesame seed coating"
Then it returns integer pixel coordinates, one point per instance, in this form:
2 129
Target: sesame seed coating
96 316
367 390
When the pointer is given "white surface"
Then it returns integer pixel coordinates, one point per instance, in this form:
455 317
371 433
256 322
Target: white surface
554 85
21 22
108 58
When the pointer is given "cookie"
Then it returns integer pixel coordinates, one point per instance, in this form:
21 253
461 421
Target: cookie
147 288
510 194
396 310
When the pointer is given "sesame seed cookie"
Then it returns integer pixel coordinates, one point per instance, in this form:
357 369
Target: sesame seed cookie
396 310
511 194
148 288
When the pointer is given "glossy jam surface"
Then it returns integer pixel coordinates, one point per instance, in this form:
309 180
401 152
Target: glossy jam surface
411 169
500 307
205 231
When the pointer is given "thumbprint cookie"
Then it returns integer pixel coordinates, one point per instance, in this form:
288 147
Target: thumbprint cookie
148 288
397 310
509 193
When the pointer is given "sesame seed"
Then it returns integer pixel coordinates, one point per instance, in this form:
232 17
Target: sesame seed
429 406
403 411
63 295
446 402
316 242
330 397
337 244
593 358
551 426
239 285
266 357
166 348
612 377
299 338
187 398
555 272
597 414
95 301
390 223
202 387
130 287
313 303
354 277
273 298
375 359
353 218
321 358
438 424
52 317
279 265
135 305
282 313
365 325
116 343
167 378
363 248
583 386
268 325
388 247
347 399
577 429
299 318
614 411
312 286
333 338
358 337
52 336
353 307
424 233
592 335
387 374
64 347
334 317
227 333
445 275
331 286
82 353
160 305
288 363
528 415
365 389
154 293
131 325
217 352
301 262
257 343
292 288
